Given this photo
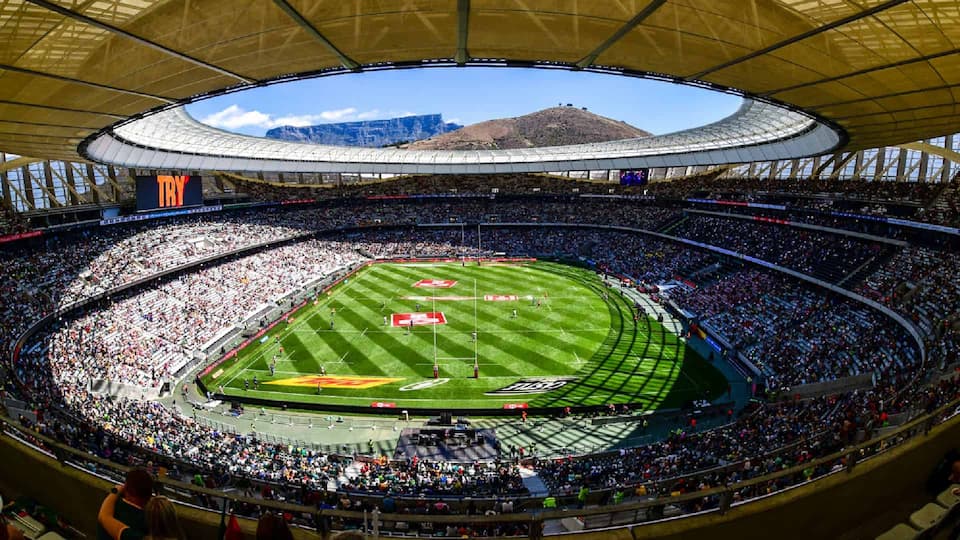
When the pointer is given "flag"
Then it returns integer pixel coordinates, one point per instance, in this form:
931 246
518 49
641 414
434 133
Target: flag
233 529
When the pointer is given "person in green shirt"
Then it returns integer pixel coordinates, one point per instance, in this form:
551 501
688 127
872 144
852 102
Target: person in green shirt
582 496
121 515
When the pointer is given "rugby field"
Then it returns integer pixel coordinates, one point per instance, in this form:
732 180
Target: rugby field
538 333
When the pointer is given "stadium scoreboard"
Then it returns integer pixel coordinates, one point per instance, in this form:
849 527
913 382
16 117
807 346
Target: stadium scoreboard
637 177
162 192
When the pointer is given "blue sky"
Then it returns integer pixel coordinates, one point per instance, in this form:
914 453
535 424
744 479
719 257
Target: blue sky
464 96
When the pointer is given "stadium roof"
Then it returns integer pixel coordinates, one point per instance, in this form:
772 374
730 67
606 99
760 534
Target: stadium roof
173 140
881 72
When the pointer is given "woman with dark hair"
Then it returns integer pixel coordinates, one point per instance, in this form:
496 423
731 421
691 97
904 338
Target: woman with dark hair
273 527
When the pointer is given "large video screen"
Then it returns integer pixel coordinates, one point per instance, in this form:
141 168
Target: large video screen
163 192
634 178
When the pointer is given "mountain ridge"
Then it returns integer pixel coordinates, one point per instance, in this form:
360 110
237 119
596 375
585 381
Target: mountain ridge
555 126
367 133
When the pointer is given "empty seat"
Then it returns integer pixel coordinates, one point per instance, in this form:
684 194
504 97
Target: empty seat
947 498
929 516
900 531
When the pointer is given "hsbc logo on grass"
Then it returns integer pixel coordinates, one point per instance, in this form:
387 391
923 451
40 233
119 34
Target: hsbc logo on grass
423 385
532 386
435 283
418 319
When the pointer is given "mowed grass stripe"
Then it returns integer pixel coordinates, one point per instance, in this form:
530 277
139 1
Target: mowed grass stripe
575 332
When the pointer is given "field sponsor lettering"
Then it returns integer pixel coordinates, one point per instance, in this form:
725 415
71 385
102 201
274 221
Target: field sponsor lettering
531 386
499 297
423 385
438 298
418 319
335 381
383 405
435 283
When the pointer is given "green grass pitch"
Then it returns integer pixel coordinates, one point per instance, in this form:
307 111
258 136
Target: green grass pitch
581 331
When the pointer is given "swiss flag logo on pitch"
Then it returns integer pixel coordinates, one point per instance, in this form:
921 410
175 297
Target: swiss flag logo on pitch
418 319
435 283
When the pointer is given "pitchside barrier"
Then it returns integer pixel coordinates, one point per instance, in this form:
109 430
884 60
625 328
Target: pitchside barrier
219 343
670 415
915 446
744 366
836 386
259 317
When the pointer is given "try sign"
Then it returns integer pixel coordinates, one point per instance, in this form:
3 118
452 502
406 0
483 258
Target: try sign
418 319
435 283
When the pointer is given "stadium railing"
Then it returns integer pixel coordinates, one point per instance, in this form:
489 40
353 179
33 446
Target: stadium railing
716 500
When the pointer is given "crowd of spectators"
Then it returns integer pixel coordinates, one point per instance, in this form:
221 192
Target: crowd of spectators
921 284
739 188
796 335
710 184
11 222
140 339
945 209
765 439
836 338
830 257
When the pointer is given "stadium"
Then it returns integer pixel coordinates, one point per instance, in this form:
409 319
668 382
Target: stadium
747 328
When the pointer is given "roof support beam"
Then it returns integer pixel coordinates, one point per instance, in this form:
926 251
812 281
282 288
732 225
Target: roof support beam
800 37
18 162
842 165
589 59
945 153
864 71
61 109
84 172
463 31
28 202
823 166
298 18
88 84
142 41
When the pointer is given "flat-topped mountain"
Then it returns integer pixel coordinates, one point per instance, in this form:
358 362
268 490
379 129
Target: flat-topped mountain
370 133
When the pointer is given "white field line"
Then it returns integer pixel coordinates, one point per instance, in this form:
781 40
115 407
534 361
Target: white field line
441 329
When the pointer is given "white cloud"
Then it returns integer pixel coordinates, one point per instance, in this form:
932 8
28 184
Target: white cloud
369 115
235 117
453 121
339 114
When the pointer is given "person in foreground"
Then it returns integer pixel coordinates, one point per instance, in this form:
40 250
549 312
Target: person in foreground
159 516
162 523
121 515
130 512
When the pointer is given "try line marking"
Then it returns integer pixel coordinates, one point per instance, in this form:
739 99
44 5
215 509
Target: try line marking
342 359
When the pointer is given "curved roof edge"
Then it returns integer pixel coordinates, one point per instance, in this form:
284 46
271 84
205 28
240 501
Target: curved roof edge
172 140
